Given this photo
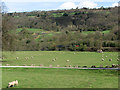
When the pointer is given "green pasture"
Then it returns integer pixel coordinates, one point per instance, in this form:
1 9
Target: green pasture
60 78
46 58
30 29
88 32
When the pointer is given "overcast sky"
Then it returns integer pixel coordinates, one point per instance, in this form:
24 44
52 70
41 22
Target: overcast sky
30 5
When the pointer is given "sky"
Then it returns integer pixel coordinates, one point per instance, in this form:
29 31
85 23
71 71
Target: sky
31 5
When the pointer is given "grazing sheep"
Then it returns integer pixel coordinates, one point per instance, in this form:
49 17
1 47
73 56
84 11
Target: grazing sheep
113 65
110 59
106 56
13 83
67 60
58 65
7 64
99 51
54 60
17 57
117 59
93 66
102 59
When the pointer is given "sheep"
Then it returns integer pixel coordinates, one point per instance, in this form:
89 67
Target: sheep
117 59
106 56
58 65
102 59
113 65
7 64
54 60
110 59
99 51
17 57
67 60
93 66
13 83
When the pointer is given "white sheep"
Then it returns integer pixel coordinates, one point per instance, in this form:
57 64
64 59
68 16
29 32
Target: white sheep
117 59
13 83
17 57
58 65
102 59
54 59
7 64
67 60
106 56
110 59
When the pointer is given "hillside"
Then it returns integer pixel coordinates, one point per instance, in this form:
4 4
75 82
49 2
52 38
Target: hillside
74 30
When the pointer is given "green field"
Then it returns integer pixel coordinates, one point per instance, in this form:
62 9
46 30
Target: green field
88 32
46 58
60 78
30 29
51 32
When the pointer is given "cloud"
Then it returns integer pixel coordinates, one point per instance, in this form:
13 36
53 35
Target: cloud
114 4
58 0
88 4
67 5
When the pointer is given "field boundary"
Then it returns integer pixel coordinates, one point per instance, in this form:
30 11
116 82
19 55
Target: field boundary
57 67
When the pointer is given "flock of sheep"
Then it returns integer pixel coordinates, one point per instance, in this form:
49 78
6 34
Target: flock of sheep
108 59
104 58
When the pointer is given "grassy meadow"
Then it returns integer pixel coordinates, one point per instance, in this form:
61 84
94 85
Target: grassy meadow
46 58
52 33
60 78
